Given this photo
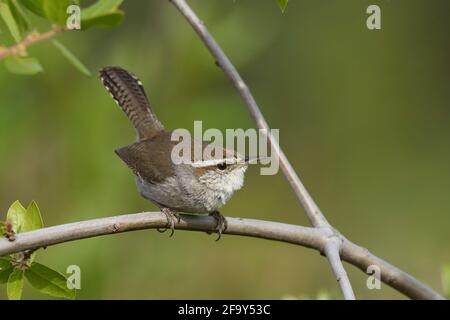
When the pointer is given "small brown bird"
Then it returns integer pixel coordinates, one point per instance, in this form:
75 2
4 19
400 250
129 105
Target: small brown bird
196 187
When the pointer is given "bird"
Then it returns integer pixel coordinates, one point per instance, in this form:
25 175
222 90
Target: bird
201 186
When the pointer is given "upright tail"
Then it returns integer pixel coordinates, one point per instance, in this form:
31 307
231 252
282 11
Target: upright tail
128 92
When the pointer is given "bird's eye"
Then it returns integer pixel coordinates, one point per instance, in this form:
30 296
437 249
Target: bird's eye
222 166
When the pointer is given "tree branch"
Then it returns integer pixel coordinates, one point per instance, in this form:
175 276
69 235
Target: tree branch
312 210
314 238
32 38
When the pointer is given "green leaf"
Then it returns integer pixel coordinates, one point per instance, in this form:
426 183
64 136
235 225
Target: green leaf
16 216
56 11
35 6
23 65
446 280
5 273
5 269
20 17
282 4
72 58
15 284
101 7
49 281
5 263
8 17
104 13
33 218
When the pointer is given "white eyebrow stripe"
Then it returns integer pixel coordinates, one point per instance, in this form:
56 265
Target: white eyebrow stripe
214 162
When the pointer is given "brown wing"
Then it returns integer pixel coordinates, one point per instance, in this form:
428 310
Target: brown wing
150 159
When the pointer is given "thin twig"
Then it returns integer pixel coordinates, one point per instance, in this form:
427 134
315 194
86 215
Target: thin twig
312 210
332 248
314 238
32 38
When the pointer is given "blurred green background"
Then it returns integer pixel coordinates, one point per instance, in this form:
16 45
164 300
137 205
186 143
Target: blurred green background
363 116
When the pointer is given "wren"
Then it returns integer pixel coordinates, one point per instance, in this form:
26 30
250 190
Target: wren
186 187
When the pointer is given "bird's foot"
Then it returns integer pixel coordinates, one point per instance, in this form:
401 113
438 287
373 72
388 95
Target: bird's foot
221 223
171 217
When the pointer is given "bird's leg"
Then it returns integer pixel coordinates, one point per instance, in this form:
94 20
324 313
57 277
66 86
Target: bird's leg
221 223
171 217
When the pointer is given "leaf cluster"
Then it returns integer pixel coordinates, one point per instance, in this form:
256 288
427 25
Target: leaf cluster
15 17
17 267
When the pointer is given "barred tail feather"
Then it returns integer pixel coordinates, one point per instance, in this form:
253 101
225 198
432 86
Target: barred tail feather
129 94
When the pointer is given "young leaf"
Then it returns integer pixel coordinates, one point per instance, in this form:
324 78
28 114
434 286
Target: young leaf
16 216
15 284
49 281
7 16
55 11
33 221
23 65
33 218
71 57
104 13
20 17
35 6
283 4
